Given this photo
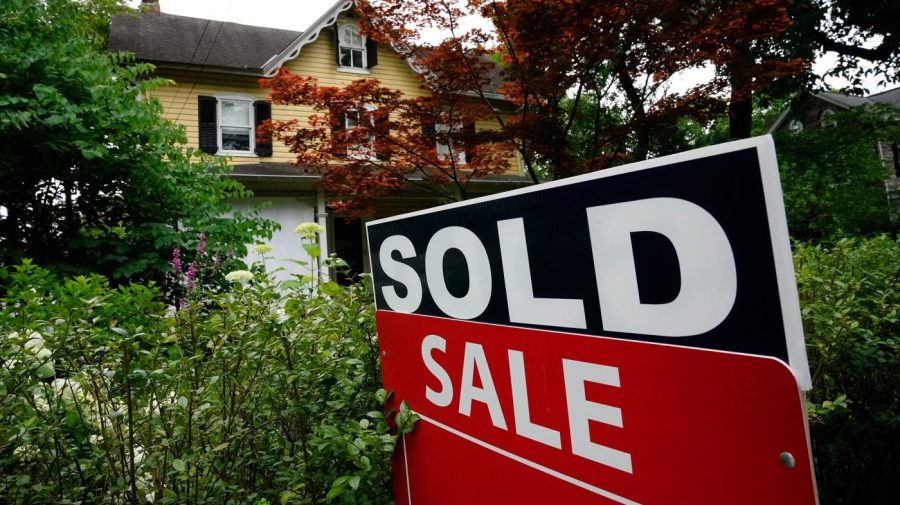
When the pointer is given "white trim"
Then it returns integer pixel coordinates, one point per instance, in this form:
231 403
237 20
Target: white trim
307 37
406 471
321 216
351 70
784 263
779 120
531 464
778 232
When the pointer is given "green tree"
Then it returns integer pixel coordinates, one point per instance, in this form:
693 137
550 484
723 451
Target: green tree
833 179
94 179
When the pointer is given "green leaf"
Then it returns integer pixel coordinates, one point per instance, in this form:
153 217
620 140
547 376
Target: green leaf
45 371
178 464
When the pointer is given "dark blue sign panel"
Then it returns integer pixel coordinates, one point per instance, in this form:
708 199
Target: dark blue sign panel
688 250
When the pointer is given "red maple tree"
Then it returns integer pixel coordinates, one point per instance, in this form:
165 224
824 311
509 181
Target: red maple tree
550 54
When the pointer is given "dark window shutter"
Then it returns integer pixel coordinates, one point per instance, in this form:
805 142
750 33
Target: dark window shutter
469 137
371 53
429 132
382 129
262 111
206 108
338 147
337 46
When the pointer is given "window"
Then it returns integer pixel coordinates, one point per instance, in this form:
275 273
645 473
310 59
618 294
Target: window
795 126
444 150
354 52
354 119
445 146
826 120
351 47
228 125
235 125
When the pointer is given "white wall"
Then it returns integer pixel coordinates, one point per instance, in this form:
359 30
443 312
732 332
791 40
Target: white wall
289 212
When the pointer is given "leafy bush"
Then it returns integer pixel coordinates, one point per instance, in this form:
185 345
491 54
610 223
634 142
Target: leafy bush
850 295
262 393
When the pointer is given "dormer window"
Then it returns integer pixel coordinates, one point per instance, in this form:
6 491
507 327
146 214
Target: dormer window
826 120
354 51
352 47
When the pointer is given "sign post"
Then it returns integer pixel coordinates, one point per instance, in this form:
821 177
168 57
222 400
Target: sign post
626 336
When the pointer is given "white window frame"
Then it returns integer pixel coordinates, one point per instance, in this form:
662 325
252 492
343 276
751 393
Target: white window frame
229 97
361 152
342 43
444 150
826 119
795 126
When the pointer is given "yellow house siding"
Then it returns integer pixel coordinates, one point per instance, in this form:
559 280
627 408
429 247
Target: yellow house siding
316 59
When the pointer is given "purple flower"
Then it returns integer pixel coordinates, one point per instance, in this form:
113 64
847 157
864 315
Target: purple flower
191 276
216 260
176 261
201 245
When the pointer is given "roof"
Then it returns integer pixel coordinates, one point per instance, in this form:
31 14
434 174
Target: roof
844 101
166 38
890 97
184 41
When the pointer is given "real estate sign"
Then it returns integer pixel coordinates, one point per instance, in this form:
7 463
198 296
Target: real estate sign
627 336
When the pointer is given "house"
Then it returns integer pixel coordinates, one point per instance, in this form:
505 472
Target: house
216 65
815 110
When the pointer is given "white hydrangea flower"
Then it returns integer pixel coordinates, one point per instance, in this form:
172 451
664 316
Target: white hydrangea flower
40 399
262 248
308 229
239 276
26 452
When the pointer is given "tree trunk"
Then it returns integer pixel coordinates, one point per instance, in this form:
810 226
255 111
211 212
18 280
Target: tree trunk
740 116
639 114
740 107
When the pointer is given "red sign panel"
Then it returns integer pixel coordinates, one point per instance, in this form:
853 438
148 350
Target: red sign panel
627 336
518 415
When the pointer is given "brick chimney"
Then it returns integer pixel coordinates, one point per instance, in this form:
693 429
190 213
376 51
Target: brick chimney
150 6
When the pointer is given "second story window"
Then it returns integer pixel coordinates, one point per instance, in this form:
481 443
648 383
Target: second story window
364 149
227 125
448 148
236 133
355 53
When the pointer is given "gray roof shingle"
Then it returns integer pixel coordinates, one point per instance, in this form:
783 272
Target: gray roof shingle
843 100
166 38
890 97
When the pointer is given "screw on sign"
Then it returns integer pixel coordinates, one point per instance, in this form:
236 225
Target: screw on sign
628 336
